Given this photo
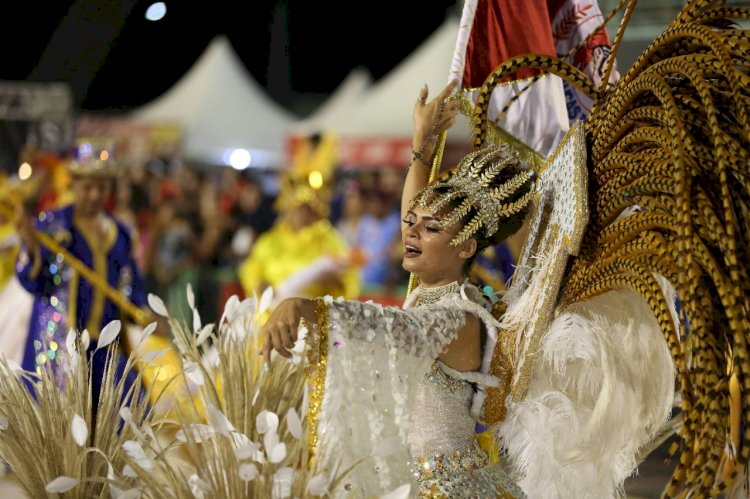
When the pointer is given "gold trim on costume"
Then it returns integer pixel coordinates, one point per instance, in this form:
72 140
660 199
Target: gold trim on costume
553 237
73 300
99 257
316 371
36 265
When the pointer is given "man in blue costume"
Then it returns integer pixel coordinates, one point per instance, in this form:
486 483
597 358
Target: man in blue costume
64 299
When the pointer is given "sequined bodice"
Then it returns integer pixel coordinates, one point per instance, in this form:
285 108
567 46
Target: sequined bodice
442 422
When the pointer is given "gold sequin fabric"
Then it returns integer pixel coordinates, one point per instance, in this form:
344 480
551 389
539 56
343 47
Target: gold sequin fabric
317 357
437 473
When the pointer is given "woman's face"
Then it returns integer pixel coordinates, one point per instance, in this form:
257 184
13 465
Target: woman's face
427 249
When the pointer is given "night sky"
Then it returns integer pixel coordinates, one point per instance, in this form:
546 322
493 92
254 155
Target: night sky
114 59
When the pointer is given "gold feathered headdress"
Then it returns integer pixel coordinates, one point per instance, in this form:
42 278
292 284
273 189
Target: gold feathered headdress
488 182
309 180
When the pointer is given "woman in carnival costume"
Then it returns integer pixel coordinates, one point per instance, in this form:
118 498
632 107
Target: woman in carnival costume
570 398
649 199
416 376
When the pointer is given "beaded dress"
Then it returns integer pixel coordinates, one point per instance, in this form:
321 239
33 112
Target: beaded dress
395 412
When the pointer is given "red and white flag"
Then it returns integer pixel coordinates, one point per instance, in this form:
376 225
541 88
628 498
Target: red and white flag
493 31
572 22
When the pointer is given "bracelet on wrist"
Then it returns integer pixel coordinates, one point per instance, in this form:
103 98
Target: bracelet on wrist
418 156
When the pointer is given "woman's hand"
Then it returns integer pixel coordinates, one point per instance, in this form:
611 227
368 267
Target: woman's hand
433 117
430 119
280 331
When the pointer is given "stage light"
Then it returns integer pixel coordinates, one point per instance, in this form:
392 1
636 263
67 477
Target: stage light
239 159
156 11
24 171
315 179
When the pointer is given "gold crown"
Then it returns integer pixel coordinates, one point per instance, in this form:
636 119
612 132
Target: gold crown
93 157
487 181
308 181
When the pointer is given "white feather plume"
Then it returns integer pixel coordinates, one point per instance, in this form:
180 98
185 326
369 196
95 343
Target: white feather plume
602 387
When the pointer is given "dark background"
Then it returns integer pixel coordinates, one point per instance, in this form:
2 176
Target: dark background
114 59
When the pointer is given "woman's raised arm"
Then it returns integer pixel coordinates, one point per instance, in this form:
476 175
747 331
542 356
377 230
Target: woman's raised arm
430 119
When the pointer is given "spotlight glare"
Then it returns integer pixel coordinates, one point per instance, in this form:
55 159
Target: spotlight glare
315 179
240 159
24 171
156 11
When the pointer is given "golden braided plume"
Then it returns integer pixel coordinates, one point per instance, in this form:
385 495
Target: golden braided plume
669 142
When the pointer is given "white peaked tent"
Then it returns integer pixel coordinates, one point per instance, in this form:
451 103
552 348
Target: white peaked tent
220 108
346 97
376 129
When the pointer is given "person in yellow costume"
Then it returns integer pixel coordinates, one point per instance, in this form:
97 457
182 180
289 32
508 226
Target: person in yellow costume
303 253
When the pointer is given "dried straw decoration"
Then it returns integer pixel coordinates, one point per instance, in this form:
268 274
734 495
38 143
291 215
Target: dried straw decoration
237 429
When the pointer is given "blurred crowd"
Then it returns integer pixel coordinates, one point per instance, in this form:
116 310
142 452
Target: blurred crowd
198 226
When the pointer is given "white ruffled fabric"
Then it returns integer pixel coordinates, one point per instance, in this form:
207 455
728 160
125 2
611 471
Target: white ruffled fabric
377 358
602 388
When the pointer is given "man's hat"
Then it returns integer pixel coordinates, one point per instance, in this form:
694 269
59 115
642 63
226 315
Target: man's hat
309 179
93 158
